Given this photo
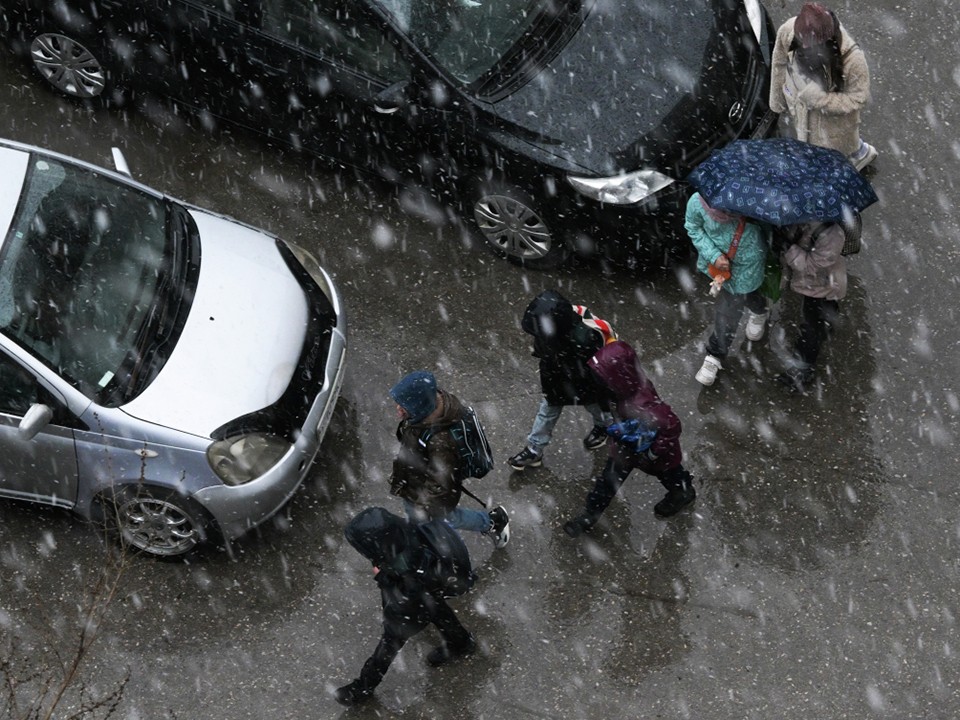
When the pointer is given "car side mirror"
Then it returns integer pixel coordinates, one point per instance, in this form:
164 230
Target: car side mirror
36 419
393 98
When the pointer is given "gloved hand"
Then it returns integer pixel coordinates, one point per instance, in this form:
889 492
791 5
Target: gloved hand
633 434
812 95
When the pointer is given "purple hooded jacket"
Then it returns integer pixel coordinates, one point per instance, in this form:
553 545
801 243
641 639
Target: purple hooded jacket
617 366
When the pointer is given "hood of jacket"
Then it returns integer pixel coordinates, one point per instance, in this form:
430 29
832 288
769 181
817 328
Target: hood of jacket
617 366
550 319
379 535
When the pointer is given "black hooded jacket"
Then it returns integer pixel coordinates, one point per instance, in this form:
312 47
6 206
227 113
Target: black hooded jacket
390 543
563 344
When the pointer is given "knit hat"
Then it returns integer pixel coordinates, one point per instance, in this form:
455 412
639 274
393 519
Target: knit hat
417 394
814 25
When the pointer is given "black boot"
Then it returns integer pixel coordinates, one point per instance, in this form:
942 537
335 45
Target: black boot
353 693
580 524
680 492
797 379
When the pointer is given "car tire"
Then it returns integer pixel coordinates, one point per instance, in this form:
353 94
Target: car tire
68 66
158 522
510 222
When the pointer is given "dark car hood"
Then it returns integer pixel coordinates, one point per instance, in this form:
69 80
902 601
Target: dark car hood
633 74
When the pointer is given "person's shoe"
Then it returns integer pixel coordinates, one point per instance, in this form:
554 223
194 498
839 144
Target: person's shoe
756 325
596 439
501 526
866 155
442 654
796 379
675 501
526 458
708 371
580 524
353 693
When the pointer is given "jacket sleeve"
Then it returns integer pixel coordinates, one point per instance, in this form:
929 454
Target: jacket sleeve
443 489
856 89
825 252
693 222
778 71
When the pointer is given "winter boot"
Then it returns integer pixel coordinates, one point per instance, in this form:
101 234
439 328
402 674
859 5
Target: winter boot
680 493
353 693
442 654
797 379
580 524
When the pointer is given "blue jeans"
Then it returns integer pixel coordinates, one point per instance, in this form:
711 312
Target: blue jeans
459 518
546 420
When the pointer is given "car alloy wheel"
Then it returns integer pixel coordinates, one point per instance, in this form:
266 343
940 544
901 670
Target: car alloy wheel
154 525
515 230
68 66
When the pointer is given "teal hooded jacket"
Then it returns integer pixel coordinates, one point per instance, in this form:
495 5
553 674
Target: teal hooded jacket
712 238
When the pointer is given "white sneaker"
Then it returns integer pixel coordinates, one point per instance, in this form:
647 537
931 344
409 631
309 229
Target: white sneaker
756 324
869 155
708 371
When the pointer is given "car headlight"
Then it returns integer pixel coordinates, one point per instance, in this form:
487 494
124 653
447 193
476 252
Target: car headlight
755 16
316 271
238 460
622 189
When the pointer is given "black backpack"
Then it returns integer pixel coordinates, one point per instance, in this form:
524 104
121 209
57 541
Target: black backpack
445 561
476 458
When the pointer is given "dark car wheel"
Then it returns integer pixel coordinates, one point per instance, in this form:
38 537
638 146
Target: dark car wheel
68 66
511 224
155 522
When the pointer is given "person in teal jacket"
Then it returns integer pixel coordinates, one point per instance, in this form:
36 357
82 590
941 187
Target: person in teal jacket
712 232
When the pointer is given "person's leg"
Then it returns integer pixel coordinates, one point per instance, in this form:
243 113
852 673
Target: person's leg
457 640
471 520
605 488
373 669
818 317
726 320
543 424
680 492
597 437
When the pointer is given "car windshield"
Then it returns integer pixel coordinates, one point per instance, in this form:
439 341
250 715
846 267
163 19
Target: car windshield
466 37
85 277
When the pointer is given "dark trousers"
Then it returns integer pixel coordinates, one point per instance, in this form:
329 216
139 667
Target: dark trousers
818 316
726 319
434 610
609 481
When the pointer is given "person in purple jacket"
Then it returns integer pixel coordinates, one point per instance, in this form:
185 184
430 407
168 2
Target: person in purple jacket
647 437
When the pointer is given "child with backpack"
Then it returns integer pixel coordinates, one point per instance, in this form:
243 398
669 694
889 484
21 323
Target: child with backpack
441 444
416 567
565 336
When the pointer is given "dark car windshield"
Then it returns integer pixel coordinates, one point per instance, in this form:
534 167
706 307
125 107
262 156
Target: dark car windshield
89 278
466 37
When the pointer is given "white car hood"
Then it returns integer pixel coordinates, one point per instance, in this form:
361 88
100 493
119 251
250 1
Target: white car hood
242 338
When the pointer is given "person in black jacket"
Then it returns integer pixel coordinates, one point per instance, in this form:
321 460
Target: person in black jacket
410 601
563 343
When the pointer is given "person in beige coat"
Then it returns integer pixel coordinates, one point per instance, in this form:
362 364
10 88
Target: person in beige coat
821 81
813 261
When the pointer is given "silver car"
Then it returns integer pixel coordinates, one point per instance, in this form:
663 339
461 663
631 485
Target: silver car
163 369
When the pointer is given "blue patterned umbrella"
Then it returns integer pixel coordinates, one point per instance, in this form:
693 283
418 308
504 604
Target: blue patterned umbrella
782 181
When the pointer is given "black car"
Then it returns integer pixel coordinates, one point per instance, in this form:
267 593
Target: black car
552 125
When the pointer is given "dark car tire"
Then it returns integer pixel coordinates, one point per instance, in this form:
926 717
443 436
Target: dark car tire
69 67
511 224
158 522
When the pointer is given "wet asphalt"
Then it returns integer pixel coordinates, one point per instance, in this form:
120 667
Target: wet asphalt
816 576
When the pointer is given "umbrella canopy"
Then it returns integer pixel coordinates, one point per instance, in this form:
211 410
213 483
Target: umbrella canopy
783 182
